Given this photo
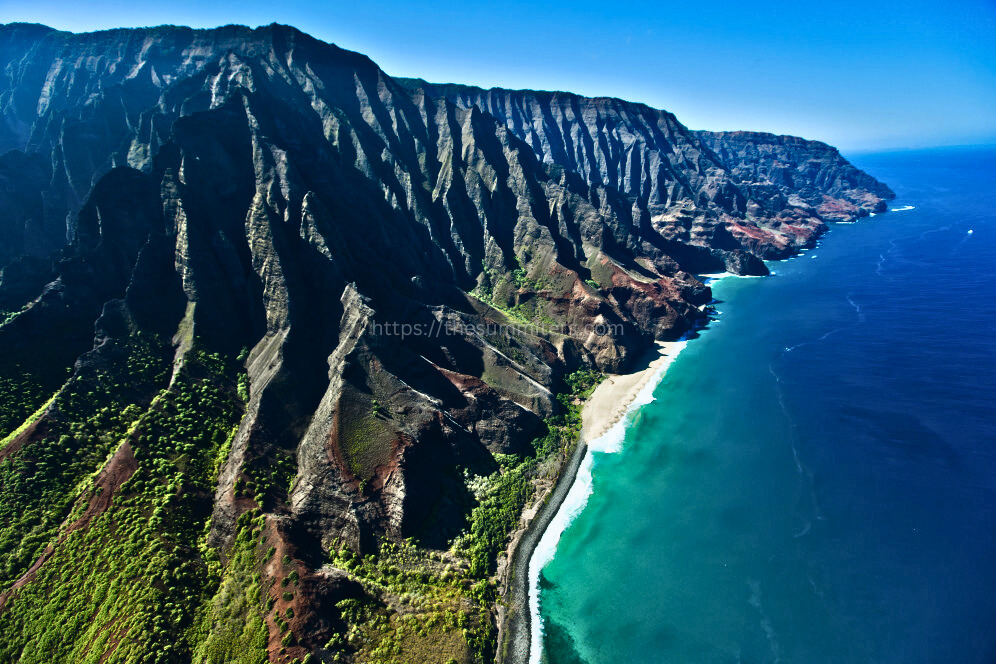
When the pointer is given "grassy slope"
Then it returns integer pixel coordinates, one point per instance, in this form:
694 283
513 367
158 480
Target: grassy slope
137 577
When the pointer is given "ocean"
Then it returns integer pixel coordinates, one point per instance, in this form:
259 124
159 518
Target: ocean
815 477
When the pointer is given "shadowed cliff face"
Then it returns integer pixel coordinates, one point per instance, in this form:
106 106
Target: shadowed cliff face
411 271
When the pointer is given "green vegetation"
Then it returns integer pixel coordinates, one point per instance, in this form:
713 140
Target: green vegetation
40 483
20 394
580 385
113 493
270 478
499 508
529 312
520 279
430 606
534 312
365 439
487 296
129 586
420 606
27 423
7 316
232 629
521 298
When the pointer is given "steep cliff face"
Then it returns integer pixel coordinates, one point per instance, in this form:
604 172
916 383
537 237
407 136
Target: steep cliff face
768 194
286 309
777 171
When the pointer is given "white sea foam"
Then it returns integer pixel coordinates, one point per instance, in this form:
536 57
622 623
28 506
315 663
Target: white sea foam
709 279
716 276
574 502
577 497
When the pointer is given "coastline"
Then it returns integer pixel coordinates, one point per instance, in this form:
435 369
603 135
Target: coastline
604 411
603 429
613 398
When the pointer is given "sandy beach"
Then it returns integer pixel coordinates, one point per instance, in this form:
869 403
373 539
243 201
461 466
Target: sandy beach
611 400
606 406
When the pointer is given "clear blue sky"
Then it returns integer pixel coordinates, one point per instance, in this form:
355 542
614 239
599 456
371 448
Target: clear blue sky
860 75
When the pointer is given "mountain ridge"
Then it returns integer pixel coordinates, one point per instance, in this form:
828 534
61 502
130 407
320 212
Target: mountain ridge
293 313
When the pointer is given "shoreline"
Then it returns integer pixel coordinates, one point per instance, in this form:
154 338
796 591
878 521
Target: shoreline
603 411
614 397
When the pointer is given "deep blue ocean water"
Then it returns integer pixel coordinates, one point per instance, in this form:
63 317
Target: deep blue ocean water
816 480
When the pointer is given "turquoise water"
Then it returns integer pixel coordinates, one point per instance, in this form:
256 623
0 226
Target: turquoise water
816 480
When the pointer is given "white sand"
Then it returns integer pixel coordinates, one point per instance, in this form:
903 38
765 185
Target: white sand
614 396
603 429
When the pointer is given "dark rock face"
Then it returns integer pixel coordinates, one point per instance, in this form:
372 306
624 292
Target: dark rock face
413 268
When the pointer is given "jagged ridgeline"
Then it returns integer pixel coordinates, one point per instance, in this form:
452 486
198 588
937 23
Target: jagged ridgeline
287 344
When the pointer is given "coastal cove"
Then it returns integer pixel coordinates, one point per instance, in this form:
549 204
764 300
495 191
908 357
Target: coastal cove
812 479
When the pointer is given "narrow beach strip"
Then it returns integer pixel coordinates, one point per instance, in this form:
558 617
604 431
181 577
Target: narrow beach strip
604 420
